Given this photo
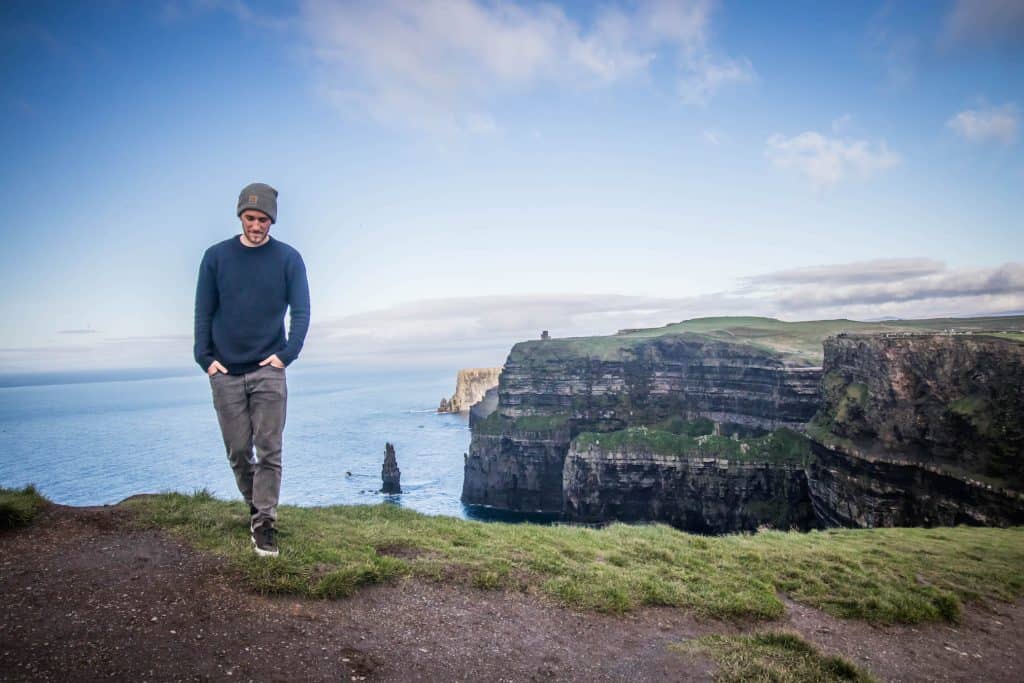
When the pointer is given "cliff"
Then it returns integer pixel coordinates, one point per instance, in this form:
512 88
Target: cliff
552 390
470 387
915 425
706 484
920 430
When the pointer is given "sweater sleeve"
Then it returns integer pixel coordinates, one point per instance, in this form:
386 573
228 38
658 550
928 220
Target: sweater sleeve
206 305
298 310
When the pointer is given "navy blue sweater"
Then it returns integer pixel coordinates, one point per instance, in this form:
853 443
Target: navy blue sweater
241 299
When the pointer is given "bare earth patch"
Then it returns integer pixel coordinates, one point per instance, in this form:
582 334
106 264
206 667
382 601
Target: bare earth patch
86 596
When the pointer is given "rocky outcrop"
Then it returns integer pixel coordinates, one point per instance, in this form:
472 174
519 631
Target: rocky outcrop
647 380
516 469
920 430
470 387
865 491
390 475
516 465
955 401
909 428
703 495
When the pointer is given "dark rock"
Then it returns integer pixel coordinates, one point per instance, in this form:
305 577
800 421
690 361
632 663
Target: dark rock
390 473
702 495
920 430
909 429
514 465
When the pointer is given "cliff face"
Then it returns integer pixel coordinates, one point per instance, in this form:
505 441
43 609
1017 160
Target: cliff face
951 401
470 387
655 379
920 430
858 491
612 387
704 495
909 428
514 469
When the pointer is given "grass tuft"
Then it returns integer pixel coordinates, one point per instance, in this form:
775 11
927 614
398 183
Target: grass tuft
772 656
879 575
18 507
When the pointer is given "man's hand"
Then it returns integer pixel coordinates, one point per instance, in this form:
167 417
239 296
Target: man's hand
273 360
216 367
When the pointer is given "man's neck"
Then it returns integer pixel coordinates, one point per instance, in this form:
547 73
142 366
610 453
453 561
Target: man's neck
247 243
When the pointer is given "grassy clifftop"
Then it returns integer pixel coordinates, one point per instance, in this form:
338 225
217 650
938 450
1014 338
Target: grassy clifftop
795 343
880 575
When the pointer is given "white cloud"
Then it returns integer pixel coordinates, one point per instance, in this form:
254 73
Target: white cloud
827 160
985 23
435 64
983 125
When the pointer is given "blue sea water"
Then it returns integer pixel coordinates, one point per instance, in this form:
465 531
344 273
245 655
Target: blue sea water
98 442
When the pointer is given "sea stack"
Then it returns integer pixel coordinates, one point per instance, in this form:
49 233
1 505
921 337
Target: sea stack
389 473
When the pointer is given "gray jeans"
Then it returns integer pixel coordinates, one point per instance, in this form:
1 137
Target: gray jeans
251 410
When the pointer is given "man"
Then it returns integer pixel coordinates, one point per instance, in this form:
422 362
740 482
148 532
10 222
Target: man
245 284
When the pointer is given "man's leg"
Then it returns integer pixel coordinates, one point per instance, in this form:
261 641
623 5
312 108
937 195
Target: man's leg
232 404
268 399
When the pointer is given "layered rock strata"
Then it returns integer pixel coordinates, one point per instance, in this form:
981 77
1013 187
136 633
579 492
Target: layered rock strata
910 429
650 380
947 400
864 491
920 430
550 391
703 495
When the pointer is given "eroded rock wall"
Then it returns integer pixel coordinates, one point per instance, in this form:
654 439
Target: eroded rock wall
679 375
861 491
664 377
703 495
955 401
516 470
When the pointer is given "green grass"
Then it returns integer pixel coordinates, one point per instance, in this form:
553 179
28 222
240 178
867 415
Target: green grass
783 446
772 656
796 343
540 423
881 575
18 507
496 424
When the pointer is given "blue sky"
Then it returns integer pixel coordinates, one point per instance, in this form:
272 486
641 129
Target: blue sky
461 174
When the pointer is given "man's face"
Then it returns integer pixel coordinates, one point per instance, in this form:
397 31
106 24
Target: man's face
255 227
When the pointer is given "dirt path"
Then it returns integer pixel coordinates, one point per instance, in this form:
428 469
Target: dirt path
86 597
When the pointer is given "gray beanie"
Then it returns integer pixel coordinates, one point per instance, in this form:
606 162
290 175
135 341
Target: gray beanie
259 196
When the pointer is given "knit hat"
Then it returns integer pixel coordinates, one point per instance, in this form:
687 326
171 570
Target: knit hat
259 196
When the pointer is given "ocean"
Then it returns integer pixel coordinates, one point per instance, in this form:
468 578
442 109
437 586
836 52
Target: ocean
102 439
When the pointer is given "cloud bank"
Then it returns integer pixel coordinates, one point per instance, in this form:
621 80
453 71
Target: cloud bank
985 125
